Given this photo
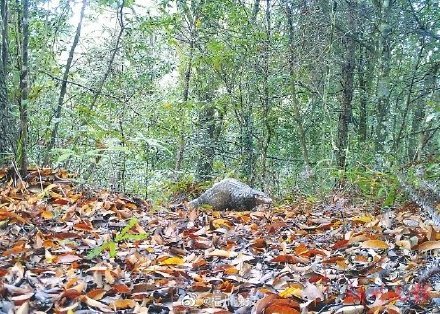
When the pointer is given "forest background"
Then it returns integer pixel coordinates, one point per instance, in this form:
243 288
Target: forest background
287 95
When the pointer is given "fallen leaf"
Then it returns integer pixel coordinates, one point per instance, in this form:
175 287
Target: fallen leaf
428 246
374 244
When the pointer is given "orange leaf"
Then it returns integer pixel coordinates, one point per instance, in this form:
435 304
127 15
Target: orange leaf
374 244
259 243
96 294
301 249
390 295
333 259
340 244
123 304
16 250
6 214
280 308
121 288
428 245
291 259
84 226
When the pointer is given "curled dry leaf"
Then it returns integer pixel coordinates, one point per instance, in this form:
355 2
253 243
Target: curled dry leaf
428 246
123 304
375 244
274 304
222 253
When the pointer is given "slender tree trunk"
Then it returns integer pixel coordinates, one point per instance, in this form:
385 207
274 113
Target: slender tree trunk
24 89
348 66
403 125
246 140
206 141
6 125
420 136
100 86
363 76
295 102
185 96
63 90
255 10
383 83
267 133
5 17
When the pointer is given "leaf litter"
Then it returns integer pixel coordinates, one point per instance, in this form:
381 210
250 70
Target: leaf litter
65 249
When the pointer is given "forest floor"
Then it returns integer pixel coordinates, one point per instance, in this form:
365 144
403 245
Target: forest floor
68 249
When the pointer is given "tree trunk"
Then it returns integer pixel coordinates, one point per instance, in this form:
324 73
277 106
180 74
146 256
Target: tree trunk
348 66
403 125
382 92
63 90
206 141
185 96
420 136
100 86
295 102
5 17
24 92
6 126
364 77
267 133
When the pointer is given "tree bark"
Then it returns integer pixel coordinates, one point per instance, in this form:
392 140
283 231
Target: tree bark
348 66
206 141
5 34
100 86
6 125
295 102
24 92
268 131
421 136
185 96
382 91
63 90
364 78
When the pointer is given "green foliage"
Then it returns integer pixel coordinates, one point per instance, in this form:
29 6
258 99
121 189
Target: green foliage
123 235
186 188
373 185
259 85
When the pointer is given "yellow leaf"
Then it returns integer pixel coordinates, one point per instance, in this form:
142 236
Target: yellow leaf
363 219
374 244
291 291
49 257
175 260
47 215
218 223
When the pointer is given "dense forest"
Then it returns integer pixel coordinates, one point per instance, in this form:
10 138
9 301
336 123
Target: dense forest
286 95
220 156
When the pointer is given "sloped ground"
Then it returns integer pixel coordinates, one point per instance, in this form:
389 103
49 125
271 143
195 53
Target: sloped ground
309 258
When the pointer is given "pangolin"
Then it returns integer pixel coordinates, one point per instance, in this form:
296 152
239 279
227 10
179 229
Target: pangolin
231 194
